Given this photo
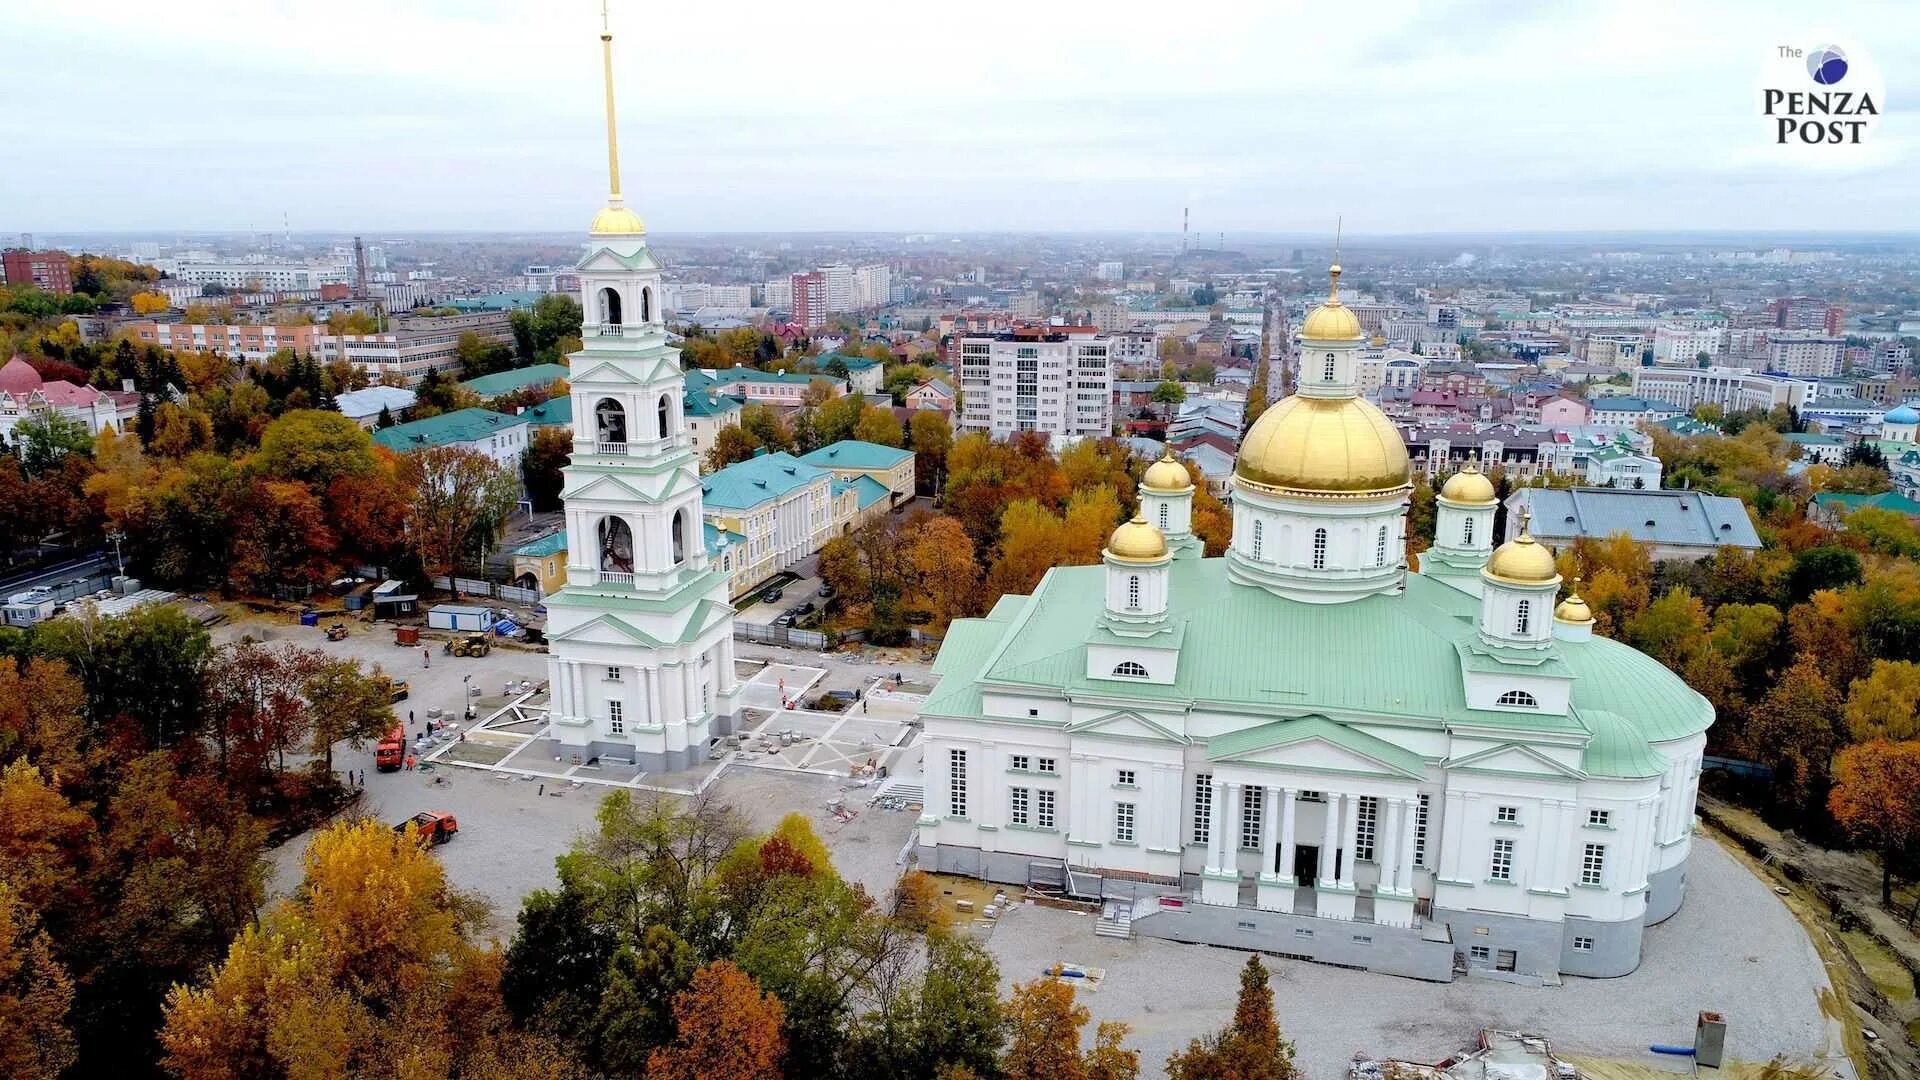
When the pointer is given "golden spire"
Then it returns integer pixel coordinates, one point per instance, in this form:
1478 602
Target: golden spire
1333 272
615 219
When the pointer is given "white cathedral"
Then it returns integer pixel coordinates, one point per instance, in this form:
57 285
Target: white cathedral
1306 749
641 665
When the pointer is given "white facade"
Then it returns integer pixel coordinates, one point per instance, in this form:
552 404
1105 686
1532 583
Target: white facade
1057 384
1732 389
1683 344
1812 356
839 286
872 286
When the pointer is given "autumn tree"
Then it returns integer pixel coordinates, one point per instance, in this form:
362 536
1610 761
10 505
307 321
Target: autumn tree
1795 728
1881 705
728 1030
730 444
1248 1048
314 448
35 995
345 704
459 501
280 537
1210 519
1043 1038
877 425
1876 799
1092 513
947 579
929 435
840 568
1032 541
548 452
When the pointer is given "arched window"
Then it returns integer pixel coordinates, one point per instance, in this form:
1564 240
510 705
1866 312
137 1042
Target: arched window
1380 547
1319 549
1256 537
1521 613
1519 699
1163 517
610 421
616 545
1327 370
1466 531
1133 592
1130 670
679 537
666 413
610 306
646 305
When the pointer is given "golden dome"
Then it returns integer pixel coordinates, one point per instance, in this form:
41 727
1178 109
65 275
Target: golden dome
1469 485
1573 609
1166 476
617 221
1523 560
1332 321
1137 541
1344 446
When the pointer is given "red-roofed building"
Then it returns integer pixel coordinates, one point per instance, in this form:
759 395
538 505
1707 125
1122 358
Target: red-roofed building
23 392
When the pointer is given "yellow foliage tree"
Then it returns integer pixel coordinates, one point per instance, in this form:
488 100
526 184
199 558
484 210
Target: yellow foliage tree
35 994
1881 705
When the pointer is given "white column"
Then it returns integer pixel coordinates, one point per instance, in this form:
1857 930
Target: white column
1329 840
1547 874
1352 844
654 715
1217 827
580 704
1231 860
1078 819
1387 842
690 670
1288 796
559 684
1403 879
1450 835
1268 796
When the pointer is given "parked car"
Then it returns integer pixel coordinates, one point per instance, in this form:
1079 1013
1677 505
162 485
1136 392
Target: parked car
825 593
772 596
784 619
435 826
802 608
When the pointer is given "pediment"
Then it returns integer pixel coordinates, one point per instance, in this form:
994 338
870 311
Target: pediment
1127 724
1511 758
605 372
608 486
608 630
1316 744
607 259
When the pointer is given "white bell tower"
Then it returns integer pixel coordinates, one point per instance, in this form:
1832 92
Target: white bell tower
641 667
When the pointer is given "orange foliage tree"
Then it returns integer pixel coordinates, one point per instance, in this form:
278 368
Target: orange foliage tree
728 1029
1876 799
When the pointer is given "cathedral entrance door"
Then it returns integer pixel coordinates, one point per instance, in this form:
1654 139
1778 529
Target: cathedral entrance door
1306 863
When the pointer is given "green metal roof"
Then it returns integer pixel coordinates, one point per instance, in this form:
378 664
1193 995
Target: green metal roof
460 426
702 402
1886 500
870 490
557 412
550 544
744 485
1618 749
855 454
506 382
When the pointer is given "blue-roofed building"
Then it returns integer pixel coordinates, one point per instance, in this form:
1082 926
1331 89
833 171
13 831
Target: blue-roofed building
506 382
850 459
783 509
497 435
1669 524
708 412
761 387
864 374
542 564
1832 507
557 413
1625 410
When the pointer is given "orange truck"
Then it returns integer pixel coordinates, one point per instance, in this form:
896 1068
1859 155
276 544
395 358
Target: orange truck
392 750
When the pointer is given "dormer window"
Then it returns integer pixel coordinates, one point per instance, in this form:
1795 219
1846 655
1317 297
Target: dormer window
1128 669
1518 699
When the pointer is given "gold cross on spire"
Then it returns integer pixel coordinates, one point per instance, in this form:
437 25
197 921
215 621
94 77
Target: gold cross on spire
613 138
1333 272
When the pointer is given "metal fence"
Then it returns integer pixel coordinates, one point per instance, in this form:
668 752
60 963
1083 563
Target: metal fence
783 635
475 587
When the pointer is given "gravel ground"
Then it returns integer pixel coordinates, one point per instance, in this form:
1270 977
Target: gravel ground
1733 947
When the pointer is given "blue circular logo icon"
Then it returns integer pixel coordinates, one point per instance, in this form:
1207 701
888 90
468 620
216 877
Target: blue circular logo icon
1827 64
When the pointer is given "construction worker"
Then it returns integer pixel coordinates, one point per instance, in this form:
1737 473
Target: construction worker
426 657
410 760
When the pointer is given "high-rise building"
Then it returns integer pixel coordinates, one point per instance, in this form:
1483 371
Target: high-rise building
1682 344
641 636
1111 270
1055 380
777 293
839 278
872 286
44 270
1731 389
1807 313
810 299
1815 356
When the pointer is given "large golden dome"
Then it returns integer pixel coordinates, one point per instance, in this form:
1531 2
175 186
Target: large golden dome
1469 485
1335 446
617 221
1332 321
1167 476
1523 560
1137 541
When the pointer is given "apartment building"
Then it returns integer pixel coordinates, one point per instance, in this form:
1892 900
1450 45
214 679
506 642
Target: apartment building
809 299
47 271
416 346
265 275
1731 389
1817 357
872 286
1619 351
1050 379
1680 344
240 342
1808 314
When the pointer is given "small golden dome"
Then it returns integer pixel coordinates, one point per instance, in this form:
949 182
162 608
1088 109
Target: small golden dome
1573 609
1137 541
1469 485
1523 560
1332 321
617 221
1167 476
1323 445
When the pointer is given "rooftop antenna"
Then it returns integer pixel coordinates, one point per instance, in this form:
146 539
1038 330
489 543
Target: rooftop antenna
1184 213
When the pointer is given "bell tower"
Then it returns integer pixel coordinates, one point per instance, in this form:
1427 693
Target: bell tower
642 635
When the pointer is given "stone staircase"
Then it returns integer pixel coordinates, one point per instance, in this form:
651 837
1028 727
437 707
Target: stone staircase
1116 920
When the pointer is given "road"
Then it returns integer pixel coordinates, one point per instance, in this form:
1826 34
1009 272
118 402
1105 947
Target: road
99 566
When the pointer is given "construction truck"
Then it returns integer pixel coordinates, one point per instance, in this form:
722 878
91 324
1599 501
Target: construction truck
432 826
470 645
391 751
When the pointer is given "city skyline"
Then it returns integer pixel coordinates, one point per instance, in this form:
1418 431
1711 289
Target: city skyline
484 118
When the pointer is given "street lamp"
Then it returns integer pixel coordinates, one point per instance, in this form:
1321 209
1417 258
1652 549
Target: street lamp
466 697
116 536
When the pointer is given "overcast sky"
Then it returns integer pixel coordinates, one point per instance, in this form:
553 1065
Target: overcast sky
387 115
